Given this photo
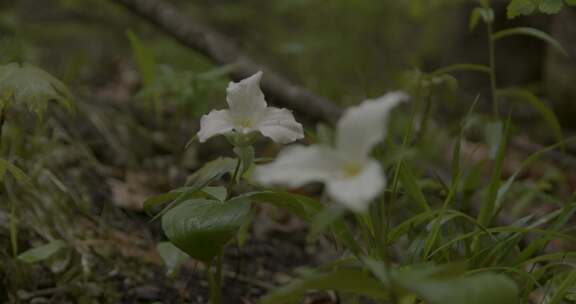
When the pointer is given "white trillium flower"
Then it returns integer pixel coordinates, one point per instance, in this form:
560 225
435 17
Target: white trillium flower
352 178
248 112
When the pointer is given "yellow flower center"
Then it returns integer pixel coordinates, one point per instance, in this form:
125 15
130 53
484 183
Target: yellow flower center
352 169
246 123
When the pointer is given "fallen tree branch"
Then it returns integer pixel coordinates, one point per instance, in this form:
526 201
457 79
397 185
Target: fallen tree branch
223 51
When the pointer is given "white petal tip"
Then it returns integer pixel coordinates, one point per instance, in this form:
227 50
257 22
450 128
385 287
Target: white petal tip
248 81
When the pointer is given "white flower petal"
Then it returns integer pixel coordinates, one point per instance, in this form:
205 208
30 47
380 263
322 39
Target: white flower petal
245 99
214 123
361 127
298 165
358 191
280 126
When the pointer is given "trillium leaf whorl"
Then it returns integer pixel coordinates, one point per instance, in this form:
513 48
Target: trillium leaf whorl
352 178
248 112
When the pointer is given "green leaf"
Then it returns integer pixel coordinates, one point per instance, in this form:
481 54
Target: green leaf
484 13
217 193
414 191
246 155
477 289
547 113
144 58
33 87
151 204
347 280
488 208
324 219
17 173
209 173
564 288
521 7
172 256
299 205
447 284
201 228
551 6
523 166
528 31
43 252
528 7
463 67
562 219
307 209
493 133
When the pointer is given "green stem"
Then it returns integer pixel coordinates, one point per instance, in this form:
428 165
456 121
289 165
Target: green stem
234 177
219 278
211 281
13 229
492 58
215 281
425 118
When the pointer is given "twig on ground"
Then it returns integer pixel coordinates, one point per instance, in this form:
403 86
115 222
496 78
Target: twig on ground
223 51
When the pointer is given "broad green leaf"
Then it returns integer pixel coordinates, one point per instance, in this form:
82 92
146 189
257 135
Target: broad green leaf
209 173
447 284
477 289
201 228
551 6
547 113
346 280
528 31
302 206
528 7
43 252
172 256
144 58
151 204
33 87
521 7
218 193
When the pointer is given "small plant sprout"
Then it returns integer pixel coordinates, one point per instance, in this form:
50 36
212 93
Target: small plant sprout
353 179
250 113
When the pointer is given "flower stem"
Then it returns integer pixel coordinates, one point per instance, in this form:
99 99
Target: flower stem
234 177
215 281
